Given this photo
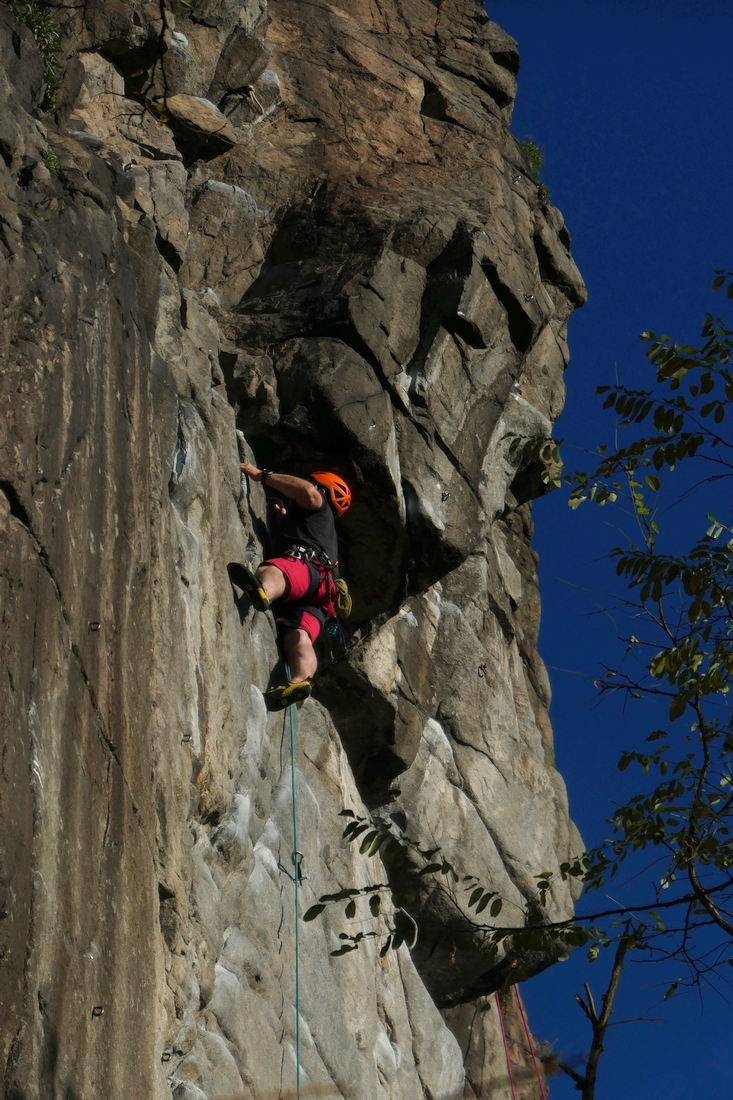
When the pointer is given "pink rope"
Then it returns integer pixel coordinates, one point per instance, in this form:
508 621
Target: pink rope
506 1046
530 1042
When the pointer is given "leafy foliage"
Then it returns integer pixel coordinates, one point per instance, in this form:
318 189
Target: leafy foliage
533 154
51 161
44 28
394 846
681 651
544 453
535 157
398 850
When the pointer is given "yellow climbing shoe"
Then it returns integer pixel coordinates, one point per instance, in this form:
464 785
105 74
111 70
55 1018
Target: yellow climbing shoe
284 695
245 579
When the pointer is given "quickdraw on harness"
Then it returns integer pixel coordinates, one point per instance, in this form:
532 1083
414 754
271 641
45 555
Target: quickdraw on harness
339 600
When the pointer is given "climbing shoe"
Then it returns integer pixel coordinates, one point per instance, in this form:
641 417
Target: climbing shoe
245 579
284 695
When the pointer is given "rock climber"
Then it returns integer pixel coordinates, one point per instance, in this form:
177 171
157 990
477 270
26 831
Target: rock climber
301 577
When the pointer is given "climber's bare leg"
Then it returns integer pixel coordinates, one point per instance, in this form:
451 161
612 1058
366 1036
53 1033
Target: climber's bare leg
300 654
274 582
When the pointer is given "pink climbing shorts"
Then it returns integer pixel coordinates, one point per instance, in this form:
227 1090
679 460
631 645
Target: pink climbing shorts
300 619
298 576
311 611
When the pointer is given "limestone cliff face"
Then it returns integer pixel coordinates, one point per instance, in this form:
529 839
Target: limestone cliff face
301 232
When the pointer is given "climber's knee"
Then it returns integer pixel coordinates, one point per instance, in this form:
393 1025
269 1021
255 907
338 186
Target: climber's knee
297 641
273 580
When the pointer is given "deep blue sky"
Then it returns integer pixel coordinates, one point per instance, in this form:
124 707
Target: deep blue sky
631 101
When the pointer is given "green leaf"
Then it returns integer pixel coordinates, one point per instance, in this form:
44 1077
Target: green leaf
376 844
671 991
430 869
368 841
677 707
313 912
496 907
653 482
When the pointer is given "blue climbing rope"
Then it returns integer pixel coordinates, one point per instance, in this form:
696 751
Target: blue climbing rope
296 877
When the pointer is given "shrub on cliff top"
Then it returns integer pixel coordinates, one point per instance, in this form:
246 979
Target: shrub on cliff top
533 154
535 157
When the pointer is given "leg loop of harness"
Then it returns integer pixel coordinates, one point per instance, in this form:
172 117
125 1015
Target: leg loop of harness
321 569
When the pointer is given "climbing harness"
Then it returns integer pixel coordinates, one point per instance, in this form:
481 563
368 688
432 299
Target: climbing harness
339 600
297 871
309 553
506 1046
530 1043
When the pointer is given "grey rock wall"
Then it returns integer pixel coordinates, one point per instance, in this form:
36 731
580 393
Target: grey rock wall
305 234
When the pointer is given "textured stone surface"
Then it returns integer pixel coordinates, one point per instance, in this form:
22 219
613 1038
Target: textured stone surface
302 234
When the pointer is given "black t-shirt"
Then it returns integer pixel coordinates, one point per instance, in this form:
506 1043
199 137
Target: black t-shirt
314 527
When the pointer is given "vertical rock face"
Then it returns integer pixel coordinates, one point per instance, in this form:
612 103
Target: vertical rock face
310 223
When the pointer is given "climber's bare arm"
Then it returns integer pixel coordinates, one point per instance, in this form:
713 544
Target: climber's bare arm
301 491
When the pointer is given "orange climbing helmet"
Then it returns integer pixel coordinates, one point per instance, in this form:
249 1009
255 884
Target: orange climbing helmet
339 491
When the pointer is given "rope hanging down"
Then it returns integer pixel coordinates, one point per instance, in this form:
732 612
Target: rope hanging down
530 1043
297 856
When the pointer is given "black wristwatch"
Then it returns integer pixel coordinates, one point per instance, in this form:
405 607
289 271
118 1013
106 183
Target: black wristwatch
264 475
